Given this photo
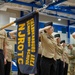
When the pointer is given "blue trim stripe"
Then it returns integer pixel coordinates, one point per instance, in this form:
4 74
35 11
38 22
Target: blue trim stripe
59 28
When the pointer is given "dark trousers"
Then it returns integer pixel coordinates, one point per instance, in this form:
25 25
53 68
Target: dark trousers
19 73
7 68
60 68
66 69
38 65
1 63
48 66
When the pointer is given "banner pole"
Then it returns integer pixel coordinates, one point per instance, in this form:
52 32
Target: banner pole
44 7
7 25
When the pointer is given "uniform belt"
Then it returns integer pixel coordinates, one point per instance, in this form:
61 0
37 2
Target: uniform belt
1 44
47 58
50 60
1 34
58 60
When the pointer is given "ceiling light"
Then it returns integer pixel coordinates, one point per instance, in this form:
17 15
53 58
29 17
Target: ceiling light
59 19
53 0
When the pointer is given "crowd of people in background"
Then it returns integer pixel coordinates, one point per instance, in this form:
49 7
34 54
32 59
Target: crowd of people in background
55 56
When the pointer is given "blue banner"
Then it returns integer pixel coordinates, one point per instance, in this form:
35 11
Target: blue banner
27 43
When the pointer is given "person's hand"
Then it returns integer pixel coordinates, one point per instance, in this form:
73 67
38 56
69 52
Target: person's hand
71 46
5 61
47 27
73 35
64 64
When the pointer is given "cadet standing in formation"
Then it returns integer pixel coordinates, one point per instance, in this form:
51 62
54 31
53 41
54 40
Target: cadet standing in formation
9 57
3 54
39 58
65 57
71 59
59 54
73 35
48 62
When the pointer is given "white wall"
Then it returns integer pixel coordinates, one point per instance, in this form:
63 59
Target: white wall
5 17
